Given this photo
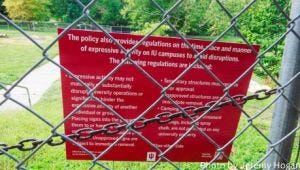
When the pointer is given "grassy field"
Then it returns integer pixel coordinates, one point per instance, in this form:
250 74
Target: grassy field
18 53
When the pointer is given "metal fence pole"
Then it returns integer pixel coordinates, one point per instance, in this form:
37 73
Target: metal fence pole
285 116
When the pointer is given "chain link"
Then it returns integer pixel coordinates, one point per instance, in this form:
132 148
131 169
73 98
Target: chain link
161 118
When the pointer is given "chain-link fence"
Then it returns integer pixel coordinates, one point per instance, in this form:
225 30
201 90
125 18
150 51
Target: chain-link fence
277 149
53 26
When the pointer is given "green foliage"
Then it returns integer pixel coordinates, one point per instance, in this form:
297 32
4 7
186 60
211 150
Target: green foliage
188 17
66 10
140 12
263 24
217 18
2 8
162 30
106 12
28 10
194 17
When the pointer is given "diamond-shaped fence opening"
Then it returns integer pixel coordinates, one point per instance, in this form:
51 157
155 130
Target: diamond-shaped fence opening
268 131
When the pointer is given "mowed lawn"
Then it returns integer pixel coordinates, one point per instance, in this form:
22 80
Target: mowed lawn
18 54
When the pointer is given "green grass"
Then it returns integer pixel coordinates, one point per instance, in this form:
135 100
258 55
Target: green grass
24 124
18 54
248 148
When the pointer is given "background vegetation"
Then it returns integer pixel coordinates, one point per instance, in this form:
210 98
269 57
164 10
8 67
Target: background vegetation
261 24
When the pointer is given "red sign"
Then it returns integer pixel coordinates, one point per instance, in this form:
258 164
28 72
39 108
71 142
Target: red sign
91 55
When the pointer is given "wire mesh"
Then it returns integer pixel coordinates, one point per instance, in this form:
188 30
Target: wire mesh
250 124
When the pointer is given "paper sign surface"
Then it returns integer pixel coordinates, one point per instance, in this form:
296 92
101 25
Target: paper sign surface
90 55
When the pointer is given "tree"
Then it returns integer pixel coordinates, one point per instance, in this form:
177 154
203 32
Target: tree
106 12
28 10
263 24
140 12
188 17
66 10
2 8
195 20
217 18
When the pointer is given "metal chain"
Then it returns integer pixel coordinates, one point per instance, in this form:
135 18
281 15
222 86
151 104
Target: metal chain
161 118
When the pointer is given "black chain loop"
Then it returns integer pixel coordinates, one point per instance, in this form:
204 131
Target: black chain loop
151 120
271 91
225 103
164 117
7 148
262 94
84 133
2 146
98 131
251 97
189 110
201 109
113 128
53 142
214 109
239 99
139 124
23 143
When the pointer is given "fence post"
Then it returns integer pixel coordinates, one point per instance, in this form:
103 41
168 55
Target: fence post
285 116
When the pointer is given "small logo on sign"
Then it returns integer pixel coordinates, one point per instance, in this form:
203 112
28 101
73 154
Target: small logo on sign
220 156
151 156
